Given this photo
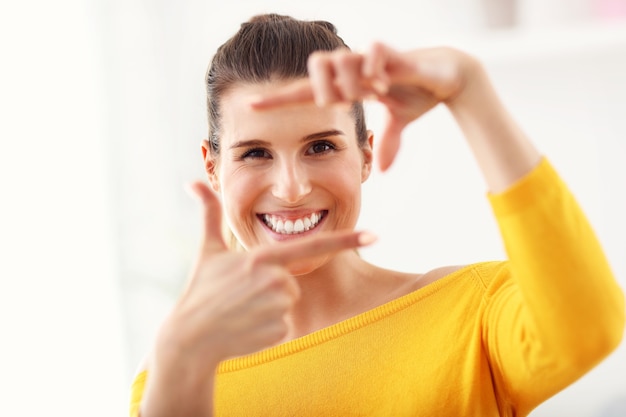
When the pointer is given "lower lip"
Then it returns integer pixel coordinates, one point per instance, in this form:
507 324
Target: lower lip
281 236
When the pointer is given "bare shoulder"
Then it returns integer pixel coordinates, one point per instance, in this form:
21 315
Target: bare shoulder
143 365
387 284
436 274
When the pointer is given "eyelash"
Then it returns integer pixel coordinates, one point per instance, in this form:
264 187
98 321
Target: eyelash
260 153
250 153
330 147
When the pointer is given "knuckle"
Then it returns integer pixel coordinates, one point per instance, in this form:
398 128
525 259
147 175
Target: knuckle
254 260
279 330
282 303
317 59
344 58
376 47
272 332
275 280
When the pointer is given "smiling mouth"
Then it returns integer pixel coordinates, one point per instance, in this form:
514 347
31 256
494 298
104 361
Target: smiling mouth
293 226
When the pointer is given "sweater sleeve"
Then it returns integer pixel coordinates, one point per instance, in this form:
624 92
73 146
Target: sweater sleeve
554 310
136 393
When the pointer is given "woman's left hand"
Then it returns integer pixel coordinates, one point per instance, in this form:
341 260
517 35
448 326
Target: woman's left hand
408 84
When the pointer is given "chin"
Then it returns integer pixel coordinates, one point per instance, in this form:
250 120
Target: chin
306 267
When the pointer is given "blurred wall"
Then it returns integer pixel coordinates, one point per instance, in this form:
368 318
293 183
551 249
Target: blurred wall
62 349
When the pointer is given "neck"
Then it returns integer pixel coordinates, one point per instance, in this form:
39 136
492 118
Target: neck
331 293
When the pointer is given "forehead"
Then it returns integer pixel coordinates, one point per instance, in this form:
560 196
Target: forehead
240 121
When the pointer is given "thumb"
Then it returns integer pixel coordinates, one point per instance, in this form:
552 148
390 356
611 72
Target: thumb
389 143
212 240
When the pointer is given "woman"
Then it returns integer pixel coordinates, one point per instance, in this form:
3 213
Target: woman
297 323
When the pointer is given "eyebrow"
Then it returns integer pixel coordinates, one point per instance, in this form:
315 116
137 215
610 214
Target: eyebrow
307 138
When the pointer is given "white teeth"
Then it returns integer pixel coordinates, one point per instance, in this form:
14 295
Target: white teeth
289 227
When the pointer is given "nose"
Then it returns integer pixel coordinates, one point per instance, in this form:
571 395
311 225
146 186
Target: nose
291 181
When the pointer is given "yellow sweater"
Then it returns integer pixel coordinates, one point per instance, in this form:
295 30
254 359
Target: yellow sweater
491 339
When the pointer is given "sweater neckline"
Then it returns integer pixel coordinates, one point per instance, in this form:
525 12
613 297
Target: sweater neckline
338 329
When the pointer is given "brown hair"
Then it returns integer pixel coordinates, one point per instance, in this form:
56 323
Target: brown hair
269 47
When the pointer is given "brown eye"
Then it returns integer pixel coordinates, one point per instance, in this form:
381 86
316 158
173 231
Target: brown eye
255 153
320 147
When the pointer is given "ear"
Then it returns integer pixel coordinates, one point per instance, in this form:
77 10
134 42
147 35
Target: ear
210 165
368 156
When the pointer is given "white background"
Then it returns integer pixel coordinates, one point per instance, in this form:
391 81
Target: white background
101 116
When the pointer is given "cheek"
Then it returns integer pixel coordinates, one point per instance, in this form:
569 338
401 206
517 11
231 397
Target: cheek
344 183
349 176
239 192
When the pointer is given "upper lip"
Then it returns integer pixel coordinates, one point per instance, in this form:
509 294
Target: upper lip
291 214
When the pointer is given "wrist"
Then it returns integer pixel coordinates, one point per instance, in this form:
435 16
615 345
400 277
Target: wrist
178 344
475 88
177 384
502 150
177 393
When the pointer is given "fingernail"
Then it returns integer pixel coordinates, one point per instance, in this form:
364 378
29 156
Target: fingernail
367 238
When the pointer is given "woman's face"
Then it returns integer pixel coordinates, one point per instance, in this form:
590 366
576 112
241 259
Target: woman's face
289 172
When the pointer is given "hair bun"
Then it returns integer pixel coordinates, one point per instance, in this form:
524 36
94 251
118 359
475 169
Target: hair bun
327 25
274 18
269 17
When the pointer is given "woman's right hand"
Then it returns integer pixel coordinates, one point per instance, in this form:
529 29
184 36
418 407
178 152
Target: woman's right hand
235 303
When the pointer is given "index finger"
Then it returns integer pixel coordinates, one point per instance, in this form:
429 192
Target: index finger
296 92
301 92
320 244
